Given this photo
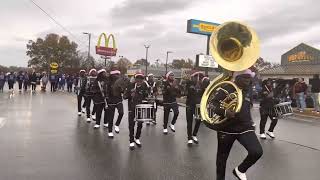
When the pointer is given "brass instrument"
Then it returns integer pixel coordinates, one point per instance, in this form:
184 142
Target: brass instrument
235 47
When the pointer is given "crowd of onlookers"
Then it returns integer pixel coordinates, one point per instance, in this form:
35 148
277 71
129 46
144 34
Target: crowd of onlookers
297 91
30 81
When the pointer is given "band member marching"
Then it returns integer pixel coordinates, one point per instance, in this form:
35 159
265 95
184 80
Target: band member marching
135 93
170 92
266 110
239 127
195 90
89 92
100 95
20 79
81 88
153 93
114 102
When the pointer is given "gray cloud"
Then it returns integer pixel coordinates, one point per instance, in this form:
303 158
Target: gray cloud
136 11
292 18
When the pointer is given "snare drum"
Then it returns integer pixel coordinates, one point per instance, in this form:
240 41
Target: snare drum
283 109
144 112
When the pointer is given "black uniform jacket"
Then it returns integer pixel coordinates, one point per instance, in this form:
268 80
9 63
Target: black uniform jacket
136 94
170 93
194 93
99 89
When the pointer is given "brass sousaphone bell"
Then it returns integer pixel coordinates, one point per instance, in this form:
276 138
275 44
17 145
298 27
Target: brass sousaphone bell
235 47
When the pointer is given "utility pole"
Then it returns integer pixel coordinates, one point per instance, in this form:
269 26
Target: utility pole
167 61
89 34
147 47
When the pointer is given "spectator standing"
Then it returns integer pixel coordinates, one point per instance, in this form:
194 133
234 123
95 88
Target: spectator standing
20 79
315 90
44 80
300 93
11 80
53 82
33 80
69 82
2 81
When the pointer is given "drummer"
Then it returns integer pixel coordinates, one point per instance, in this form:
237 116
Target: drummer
195 90
266 109
153 93
136 92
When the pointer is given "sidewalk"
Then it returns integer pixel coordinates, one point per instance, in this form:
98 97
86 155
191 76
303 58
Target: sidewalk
307 113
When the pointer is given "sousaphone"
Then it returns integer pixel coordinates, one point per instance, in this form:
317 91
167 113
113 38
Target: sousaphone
235 47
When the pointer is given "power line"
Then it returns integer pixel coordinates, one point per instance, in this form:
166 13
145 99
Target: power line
55 21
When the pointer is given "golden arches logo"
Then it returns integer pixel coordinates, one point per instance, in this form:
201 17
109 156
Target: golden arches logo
106 50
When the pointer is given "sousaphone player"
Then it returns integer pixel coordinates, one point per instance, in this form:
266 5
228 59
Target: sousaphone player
235 47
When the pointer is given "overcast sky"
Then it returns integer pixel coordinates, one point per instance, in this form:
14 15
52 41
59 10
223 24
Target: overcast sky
280 24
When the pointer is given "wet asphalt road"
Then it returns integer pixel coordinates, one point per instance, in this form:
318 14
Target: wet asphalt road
42 138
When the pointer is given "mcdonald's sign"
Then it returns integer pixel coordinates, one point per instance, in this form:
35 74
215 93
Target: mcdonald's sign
106 50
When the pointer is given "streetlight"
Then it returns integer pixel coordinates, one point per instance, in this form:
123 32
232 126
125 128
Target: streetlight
147 47
167 61
89 34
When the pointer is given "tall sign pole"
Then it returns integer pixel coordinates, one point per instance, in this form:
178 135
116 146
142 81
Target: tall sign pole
147 47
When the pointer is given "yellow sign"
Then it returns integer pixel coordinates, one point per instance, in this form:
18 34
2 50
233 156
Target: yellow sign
54 65
300 56
53 71
107 40
205 27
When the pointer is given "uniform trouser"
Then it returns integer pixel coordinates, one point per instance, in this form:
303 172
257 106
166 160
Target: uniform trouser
88 100
99 108
190 111
80 97
20 84
53 86
112 109
167 108
225 141
264 114
132 123
10 84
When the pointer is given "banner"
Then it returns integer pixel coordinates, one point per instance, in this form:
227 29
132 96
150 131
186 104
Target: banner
106 50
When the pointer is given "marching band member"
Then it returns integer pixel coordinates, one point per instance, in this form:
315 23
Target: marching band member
81 88
135 93
194 94
266 110
170 92
153 93
89 92
99 88
114 101
240 127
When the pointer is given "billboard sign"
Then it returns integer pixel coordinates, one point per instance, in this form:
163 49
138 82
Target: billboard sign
201 27
106 50
206 61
